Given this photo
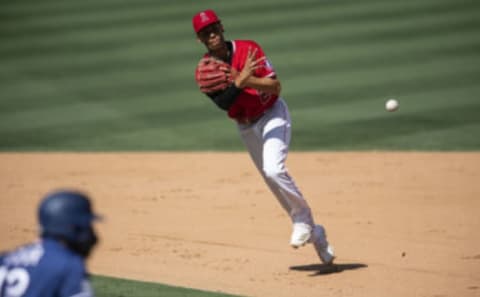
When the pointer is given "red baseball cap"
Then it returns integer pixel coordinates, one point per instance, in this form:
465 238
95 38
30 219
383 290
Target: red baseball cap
203 19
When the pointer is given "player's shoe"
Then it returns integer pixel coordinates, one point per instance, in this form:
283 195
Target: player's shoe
322 247
301 234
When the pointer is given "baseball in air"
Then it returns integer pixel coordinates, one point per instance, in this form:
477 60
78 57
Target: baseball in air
391 105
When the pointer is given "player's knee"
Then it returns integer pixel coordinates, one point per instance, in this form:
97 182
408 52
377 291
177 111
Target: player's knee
274 174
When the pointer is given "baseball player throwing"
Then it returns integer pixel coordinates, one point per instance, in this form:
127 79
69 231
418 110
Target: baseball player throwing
240 79
54 266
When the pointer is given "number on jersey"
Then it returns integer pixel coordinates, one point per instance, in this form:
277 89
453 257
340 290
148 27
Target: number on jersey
15 281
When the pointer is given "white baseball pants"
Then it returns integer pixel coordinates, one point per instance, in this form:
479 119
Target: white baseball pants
268 141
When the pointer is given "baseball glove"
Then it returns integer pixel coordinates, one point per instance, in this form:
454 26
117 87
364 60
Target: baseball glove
213 75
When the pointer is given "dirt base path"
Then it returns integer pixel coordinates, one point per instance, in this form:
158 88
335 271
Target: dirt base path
402 224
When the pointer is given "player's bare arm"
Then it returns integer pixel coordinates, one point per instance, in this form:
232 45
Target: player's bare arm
264 84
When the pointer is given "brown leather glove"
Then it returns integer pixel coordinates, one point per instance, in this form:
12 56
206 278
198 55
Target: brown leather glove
213 75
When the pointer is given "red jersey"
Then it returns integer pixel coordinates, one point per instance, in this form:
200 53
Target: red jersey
250 103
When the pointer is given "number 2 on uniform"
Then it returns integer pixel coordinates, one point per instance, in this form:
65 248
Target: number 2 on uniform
16 281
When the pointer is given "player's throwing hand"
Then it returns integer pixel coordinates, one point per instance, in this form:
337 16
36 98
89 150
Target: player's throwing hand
251 64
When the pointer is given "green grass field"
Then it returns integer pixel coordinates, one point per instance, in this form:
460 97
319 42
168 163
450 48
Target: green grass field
118 75
115 75
115 287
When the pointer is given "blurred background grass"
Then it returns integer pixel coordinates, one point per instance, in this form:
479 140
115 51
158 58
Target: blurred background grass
110 75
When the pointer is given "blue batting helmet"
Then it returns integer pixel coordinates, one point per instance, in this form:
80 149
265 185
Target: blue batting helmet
66 214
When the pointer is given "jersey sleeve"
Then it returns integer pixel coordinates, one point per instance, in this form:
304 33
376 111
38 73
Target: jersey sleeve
76 282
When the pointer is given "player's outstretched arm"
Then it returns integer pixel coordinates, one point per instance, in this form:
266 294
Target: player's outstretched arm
264 84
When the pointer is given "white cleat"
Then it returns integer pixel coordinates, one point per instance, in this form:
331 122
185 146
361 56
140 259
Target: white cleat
322 247
301 234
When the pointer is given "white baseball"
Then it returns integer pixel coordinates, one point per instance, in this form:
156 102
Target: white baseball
391 105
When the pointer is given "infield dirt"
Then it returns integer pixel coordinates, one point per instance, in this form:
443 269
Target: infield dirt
402 224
